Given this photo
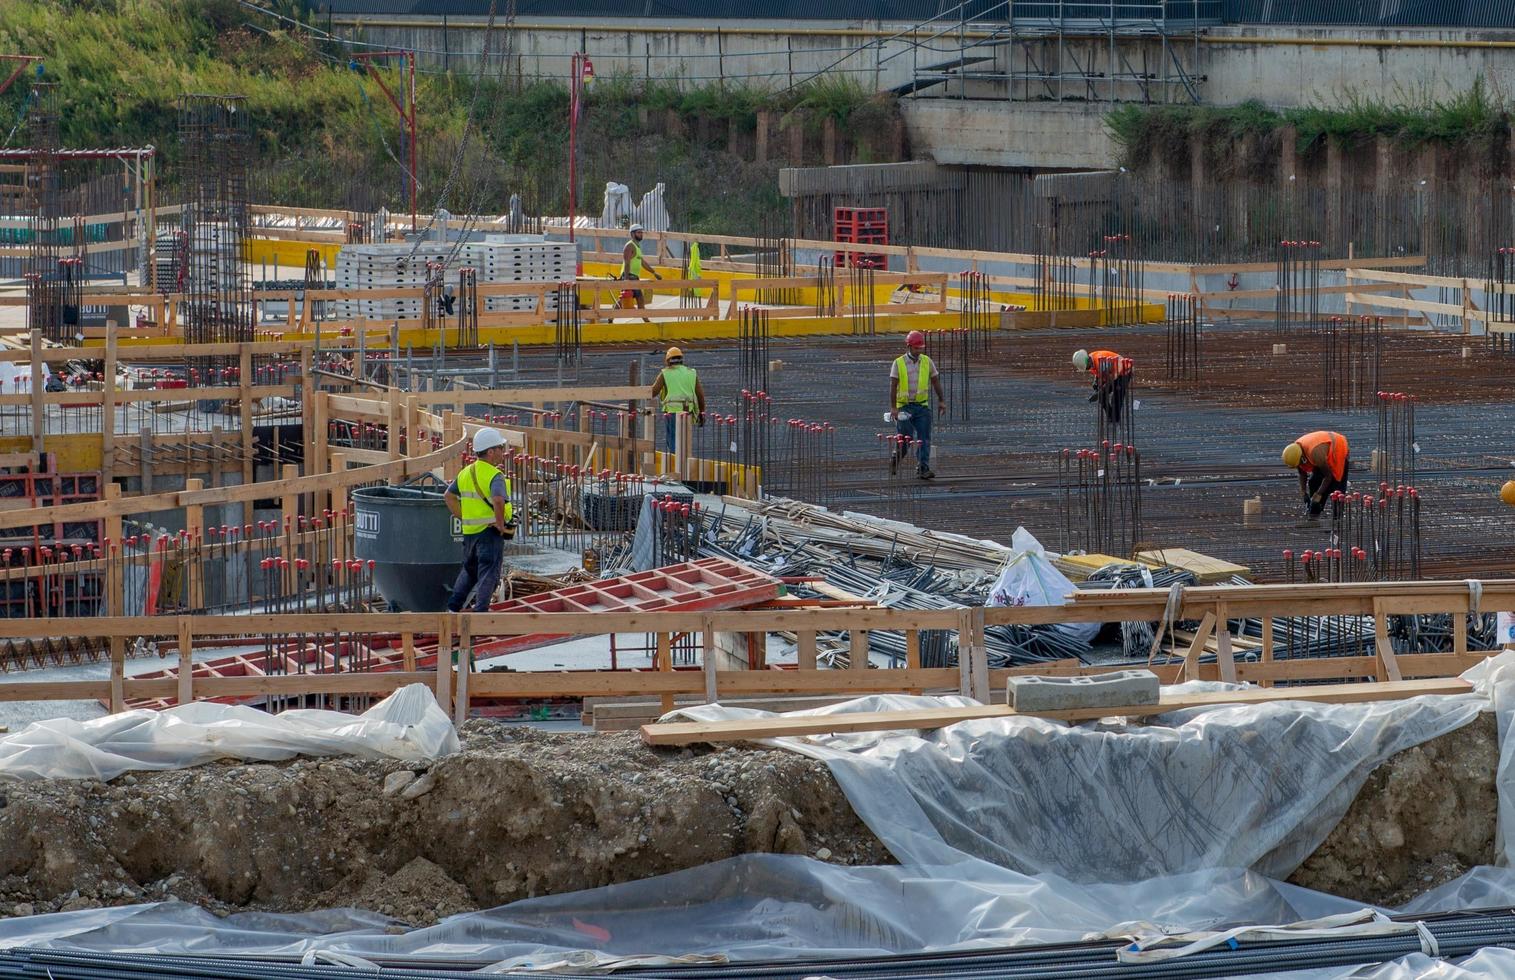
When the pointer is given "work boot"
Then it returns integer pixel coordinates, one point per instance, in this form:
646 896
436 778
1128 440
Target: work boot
924 472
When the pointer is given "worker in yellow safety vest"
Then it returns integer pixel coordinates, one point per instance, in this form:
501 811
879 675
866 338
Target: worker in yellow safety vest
632 265
912 378
681 392
480 500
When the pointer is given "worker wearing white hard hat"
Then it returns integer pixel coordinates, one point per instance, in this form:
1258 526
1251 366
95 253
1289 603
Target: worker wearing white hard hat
632 265
480 501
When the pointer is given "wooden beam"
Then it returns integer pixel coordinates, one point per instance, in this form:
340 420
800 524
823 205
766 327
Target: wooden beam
685 733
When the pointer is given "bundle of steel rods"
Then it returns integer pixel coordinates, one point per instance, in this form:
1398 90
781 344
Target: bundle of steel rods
862 305
1100 490
752 346
952 351
1499 295
1116 277
568 335
975 310
1351 362
1298 285
1452 935
1183 348
825 289
1394 461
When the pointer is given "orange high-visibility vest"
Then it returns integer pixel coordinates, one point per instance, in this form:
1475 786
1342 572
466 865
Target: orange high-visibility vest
1336 453
1117 365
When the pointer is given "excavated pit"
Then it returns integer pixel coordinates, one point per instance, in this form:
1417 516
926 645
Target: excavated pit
521 813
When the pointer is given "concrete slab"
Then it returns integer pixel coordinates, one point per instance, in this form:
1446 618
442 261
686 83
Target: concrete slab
1123 687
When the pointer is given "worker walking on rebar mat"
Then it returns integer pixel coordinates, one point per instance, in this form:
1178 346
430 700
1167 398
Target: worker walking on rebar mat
480 499
1321 459
681 392
1112 381
912 378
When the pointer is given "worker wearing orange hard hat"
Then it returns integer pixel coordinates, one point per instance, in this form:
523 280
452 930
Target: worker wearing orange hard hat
1507 492
1323 465
912 378
679 388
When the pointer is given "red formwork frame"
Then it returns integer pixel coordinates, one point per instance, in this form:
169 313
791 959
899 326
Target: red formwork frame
707 584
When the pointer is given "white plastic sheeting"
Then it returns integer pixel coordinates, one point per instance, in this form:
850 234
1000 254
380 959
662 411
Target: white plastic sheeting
1028 578
748 907
1246 786
1239 784
406 725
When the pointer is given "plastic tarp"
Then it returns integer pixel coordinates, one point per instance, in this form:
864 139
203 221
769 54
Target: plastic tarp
1231 785
1242 786
1028 578
407 725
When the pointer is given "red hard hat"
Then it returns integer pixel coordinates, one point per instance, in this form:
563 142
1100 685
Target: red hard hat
915 339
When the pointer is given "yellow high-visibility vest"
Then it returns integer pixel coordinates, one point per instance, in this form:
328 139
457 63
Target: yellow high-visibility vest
679 389
636 261
902 395
473 496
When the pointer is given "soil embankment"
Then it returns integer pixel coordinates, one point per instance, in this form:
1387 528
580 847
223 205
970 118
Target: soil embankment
522 813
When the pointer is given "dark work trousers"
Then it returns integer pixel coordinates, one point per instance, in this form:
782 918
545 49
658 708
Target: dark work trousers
1318 480
914 422
484 554
1112 399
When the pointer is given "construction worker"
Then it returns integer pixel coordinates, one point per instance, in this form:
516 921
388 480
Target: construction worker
681 392
632 265
1321 459
910 402
480 499
1112 379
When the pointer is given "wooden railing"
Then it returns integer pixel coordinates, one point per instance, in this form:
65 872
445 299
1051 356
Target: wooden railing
455 686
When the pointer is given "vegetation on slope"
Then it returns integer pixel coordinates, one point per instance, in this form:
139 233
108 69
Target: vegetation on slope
327 137
1472 121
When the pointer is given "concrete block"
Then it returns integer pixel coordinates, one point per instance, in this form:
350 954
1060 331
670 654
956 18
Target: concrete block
1116 689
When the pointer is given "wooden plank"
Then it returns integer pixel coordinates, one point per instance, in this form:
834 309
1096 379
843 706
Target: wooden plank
1206 568
465 668
1201 635
186 676
1389 665
805 643
1223 658
685 733
665 664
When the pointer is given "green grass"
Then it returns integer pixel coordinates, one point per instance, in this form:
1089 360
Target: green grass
1473 117
321 129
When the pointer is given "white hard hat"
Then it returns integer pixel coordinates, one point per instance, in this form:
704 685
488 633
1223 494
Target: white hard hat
636 228
486 439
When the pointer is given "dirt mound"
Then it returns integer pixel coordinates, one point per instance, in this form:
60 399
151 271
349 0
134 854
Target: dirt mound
521 812
1421 819
518 813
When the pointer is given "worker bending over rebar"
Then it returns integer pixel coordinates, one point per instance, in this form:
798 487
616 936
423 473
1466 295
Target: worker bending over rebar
1112 380
1321 459
679 388
910 401
480 499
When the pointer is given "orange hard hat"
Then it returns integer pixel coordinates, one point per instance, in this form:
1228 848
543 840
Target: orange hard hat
915 339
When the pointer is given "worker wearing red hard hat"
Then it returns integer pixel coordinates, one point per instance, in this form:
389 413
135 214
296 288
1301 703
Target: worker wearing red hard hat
912 378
